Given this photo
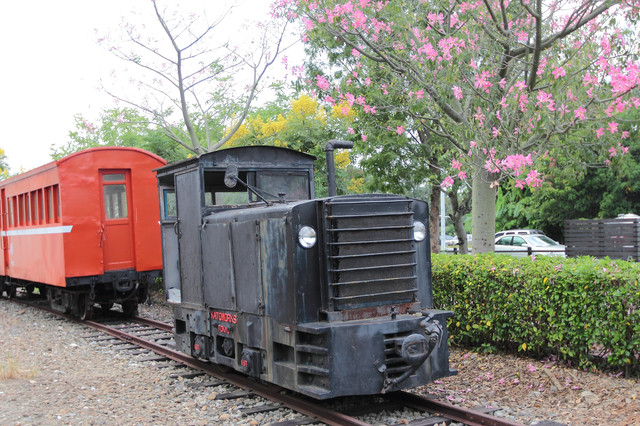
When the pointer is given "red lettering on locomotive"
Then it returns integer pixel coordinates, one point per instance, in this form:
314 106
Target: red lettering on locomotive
224 317
223 329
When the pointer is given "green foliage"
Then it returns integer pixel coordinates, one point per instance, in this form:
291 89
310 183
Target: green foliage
585 310
120 127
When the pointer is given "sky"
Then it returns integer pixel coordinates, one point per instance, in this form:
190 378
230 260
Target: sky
52 66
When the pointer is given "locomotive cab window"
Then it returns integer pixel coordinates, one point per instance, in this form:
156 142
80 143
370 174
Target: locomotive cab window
216 193
170 209
294 186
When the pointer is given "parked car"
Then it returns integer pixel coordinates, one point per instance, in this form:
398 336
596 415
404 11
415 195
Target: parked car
517 242
519 232
450 241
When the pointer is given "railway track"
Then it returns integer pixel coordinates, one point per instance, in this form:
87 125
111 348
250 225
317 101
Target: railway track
156 336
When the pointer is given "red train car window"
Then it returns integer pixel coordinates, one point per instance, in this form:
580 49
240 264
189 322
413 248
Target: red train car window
27 208
115 196
33 198
48 198
115 201
10 208
21 209
52 199
56 202
15 211
42 217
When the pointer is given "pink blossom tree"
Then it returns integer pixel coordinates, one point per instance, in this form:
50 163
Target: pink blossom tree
189 75
500 82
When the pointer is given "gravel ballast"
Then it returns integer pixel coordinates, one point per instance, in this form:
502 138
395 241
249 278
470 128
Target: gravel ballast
51 373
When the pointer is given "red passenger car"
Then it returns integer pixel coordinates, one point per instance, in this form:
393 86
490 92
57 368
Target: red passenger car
83 230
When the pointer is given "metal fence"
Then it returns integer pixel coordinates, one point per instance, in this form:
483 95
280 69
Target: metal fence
524 251
615 238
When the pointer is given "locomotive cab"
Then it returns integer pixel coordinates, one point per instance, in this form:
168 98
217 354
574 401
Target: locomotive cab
327 297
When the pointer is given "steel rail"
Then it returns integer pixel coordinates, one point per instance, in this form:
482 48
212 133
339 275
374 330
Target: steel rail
453 412
153 323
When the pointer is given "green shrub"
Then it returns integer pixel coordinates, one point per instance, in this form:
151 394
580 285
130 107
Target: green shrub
582 309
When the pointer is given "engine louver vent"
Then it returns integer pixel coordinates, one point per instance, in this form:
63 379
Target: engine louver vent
371 255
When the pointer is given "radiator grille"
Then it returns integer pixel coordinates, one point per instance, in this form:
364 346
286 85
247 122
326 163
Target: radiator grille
371 255
392 359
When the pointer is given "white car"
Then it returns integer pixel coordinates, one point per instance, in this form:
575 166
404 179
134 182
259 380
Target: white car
527 242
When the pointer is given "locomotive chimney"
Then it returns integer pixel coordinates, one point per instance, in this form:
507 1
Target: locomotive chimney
331 166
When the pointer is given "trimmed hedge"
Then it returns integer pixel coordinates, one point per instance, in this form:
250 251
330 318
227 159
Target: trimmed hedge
581 309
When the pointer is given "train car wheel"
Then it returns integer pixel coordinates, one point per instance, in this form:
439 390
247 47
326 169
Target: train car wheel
130 309
85 308
11 291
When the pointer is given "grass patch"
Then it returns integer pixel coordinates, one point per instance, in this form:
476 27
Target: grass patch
10 369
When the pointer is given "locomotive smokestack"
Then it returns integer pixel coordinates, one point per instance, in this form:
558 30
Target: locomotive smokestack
331 167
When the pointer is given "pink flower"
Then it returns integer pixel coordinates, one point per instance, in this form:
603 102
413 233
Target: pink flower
400 130
457 92
447 182
558 72
350 131
612 152
364 138
599 132
531 368
580 113
462 175
533 180
322 82
308 24
624 135
455 164
419 94
613 127
522 36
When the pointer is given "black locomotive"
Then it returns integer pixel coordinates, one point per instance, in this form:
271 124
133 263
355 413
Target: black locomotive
327 297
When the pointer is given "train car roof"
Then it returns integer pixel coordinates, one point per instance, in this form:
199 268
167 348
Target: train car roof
257 156
56 163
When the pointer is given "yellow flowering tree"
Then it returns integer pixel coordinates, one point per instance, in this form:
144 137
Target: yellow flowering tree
4 167
305 125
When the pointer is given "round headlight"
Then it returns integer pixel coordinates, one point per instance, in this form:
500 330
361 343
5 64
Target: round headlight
419 231
307 237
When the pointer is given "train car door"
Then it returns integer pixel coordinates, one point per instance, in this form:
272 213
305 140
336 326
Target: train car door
4 224
188 195
116 228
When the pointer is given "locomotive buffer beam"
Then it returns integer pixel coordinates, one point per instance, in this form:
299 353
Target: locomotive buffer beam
414 350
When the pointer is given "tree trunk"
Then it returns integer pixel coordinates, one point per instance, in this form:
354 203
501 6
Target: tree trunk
483 225
458 210
434 219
